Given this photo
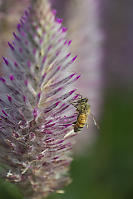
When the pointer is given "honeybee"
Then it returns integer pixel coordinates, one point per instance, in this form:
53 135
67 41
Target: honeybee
83 109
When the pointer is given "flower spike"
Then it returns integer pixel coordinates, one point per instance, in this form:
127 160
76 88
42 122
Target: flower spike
36 116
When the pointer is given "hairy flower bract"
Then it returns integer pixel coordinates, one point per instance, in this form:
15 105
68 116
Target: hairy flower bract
36 116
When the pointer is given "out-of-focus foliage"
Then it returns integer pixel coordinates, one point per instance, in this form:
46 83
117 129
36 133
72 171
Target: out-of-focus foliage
117 24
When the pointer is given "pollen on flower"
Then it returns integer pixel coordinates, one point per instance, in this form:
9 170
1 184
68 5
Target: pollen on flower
36 118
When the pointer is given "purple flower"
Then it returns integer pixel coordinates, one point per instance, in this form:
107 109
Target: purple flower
36 117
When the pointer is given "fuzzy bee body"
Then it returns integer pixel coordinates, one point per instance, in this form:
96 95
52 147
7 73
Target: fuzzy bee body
83 109
80 123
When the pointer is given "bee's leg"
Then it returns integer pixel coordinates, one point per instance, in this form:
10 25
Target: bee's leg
75 122
79 95
74 104
72 101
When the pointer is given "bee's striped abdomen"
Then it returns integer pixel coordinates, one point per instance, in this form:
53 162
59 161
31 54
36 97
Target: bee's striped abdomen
80 123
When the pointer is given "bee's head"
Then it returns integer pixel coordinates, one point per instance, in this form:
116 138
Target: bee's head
84 100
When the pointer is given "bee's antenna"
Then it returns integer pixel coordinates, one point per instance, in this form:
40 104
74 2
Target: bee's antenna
79 95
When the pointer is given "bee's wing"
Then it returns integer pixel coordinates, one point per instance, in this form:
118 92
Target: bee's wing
94 120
